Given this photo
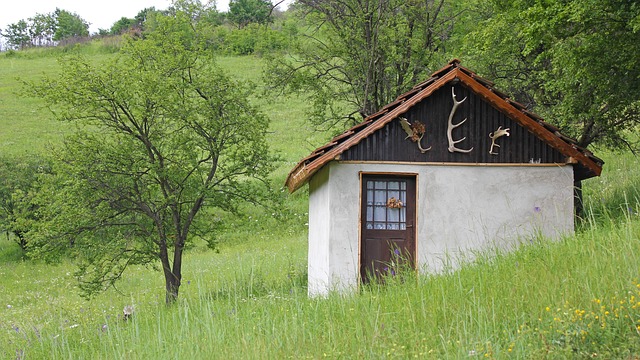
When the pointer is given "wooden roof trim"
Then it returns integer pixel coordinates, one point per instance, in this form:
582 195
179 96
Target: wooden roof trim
536 128
302 171
483 87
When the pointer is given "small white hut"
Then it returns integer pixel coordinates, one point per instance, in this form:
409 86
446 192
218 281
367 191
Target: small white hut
450 167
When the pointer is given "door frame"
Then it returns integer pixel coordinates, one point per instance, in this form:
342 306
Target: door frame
362 216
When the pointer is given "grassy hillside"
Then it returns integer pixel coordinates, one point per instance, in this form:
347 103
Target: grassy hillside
575 298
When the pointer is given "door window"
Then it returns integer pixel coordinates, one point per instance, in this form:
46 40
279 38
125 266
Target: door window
386 205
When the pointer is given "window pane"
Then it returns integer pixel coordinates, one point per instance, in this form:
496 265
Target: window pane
380 197
393 215
380 213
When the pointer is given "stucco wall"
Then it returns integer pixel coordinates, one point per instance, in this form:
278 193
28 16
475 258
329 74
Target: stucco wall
319 232
461 209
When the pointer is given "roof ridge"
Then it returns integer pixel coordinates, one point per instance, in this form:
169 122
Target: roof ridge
479 85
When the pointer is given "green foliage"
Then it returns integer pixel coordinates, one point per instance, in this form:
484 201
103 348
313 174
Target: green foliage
122 26
574 61
245 12
251 39
125 24
18 187
46 29
69 25
17 34
164 133
360 55
42 28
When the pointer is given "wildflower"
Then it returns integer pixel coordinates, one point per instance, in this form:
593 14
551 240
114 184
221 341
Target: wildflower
537 209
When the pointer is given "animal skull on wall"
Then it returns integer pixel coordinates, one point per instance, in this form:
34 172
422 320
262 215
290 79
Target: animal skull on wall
415 132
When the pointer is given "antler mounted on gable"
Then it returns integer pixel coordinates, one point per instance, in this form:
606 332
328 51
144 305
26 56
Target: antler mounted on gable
495 135
451 125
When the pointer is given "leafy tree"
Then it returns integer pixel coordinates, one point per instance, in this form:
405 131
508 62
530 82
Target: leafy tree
18 186
41 29
17 34
144 14
69 25
122 25
125 24
166 134
244 12
360 55
574 61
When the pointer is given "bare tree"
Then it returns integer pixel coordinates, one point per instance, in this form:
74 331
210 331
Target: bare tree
359 55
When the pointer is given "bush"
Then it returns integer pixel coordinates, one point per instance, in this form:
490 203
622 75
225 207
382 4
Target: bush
18 185
253 39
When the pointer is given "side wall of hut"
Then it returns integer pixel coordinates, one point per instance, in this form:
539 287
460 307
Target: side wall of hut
461 209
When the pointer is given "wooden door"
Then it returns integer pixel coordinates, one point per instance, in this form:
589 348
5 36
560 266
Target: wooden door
388 225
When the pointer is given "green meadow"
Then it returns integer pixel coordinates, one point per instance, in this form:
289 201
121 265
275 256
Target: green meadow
574 298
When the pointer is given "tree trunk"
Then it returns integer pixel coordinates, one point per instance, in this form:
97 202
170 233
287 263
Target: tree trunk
172 286
173 276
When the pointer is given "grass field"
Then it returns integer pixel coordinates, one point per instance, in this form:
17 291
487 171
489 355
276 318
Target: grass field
575 298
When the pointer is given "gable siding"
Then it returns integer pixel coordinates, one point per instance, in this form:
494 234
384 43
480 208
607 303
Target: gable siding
389 143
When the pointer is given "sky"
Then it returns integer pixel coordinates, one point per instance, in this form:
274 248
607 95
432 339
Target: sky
100 14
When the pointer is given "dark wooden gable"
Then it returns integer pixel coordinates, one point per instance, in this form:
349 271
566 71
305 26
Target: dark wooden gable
380 137
391 143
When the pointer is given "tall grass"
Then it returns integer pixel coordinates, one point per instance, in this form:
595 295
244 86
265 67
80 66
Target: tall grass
573 298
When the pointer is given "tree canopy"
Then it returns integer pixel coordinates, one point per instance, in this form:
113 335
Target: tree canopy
573 61
18 188
69 25
164 133
360 55
45 29
244 12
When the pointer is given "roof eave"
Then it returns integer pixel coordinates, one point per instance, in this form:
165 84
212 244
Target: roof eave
303 170
530 124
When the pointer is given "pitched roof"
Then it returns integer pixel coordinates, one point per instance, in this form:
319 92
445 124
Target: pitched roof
587 164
